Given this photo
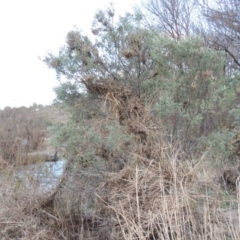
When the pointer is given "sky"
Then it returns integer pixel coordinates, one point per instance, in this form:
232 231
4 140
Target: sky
30 29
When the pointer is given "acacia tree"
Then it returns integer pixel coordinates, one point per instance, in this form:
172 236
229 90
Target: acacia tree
189 96
222 30
119 52
119 55
182 77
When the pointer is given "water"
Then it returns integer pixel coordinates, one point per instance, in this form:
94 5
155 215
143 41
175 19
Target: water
41 175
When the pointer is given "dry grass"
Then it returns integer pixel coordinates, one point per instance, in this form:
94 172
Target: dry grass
149 200
24 130
29 212
165 199
16 219
151 195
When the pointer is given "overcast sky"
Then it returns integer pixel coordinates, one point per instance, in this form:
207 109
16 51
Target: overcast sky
29 29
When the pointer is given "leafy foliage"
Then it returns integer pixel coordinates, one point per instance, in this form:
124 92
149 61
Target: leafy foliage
193 95
182 80
120 52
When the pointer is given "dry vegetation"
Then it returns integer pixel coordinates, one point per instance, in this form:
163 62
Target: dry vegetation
145 192
24 130
152 144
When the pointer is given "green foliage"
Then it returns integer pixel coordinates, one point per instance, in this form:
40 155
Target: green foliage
115 139
191 95
119 52
132 93
183 81
92 145
67 93
66 135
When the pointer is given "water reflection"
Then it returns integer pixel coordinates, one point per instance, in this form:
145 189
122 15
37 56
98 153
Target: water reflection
43 175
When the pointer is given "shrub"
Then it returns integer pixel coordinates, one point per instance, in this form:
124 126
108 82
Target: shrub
21 131
191 95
